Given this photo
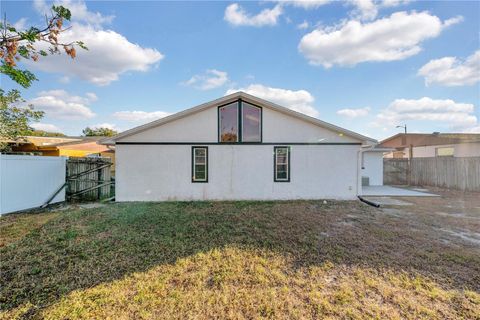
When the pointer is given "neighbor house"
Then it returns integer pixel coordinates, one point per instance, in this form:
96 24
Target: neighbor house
234 148
425 145
60 146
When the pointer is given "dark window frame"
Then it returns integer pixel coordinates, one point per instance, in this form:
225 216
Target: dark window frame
194 180
239 123
275 148
239 129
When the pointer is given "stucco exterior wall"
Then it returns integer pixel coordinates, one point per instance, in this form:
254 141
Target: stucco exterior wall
373 167
203 127
278 127
467 150
236 172
460 150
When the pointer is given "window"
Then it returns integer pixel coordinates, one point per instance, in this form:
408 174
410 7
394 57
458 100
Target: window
239 122
228 123
251 123
199 164
281 164
445 152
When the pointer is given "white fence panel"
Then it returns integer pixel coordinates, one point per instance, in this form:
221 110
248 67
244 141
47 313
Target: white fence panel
29 181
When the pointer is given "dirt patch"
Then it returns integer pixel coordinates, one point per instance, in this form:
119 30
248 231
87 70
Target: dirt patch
396 212
468 236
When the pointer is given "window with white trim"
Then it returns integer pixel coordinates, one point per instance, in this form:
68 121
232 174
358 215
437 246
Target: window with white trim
199 164
281 164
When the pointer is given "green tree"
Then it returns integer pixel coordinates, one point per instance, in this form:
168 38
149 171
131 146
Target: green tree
99 132
15 117
17 44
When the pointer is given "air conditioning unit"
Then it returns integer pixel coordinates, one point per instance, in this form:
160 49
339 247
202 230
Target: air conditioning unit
365 181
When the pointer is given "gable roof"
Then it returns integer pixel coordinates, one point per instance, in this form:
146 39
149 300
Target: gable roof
230 98
429 139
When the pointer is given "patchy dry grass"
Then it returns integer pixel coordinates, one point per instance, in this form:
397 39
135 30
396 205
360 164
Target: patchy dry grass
15 226
300 259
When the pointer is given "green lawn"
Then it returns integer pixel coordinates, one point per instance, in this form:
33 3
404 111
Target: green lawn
241 260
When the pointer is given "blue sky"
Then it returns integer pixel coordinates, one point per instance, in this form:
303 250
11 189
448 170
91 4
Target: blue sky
363 65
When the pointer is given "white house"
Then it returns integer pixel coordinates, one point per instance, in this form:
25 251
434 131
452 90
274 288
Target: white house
234 148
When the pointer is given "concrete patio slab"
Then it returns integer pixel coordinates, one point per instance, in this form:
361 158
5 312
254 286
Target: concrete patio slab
388 191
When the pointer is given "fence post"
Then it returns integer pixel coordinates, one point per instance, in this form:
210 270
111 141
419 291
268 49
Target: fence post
99 179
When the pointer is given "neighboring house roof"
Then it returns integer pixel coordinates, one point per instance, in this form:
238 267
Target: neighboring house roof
232 97
81 140
92 146
42 141
429 139
378 148
83 144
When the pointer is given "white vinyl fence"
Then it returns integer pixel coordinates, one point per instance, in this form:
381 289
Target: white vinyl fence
29 181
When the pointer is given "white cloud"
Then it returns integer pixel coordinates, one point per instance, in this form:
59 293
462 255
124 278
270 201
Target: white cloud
475 129
450 71
364 9
305 4
211 79
64 79
452 21
78 9
107 125
91 96
303 25
300 100
140 116
392 38
354 113
21 24
457 116
368 9
109 55
59 104
45 127
393 3
237 16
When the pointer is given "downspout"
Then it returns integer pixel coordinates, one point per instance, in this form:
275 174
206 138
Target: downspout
359 180
371 203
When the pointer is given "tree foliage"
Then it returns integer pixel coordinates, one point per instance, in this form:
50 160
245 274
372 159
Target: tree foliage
17 44
43 133
15 117
99 132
